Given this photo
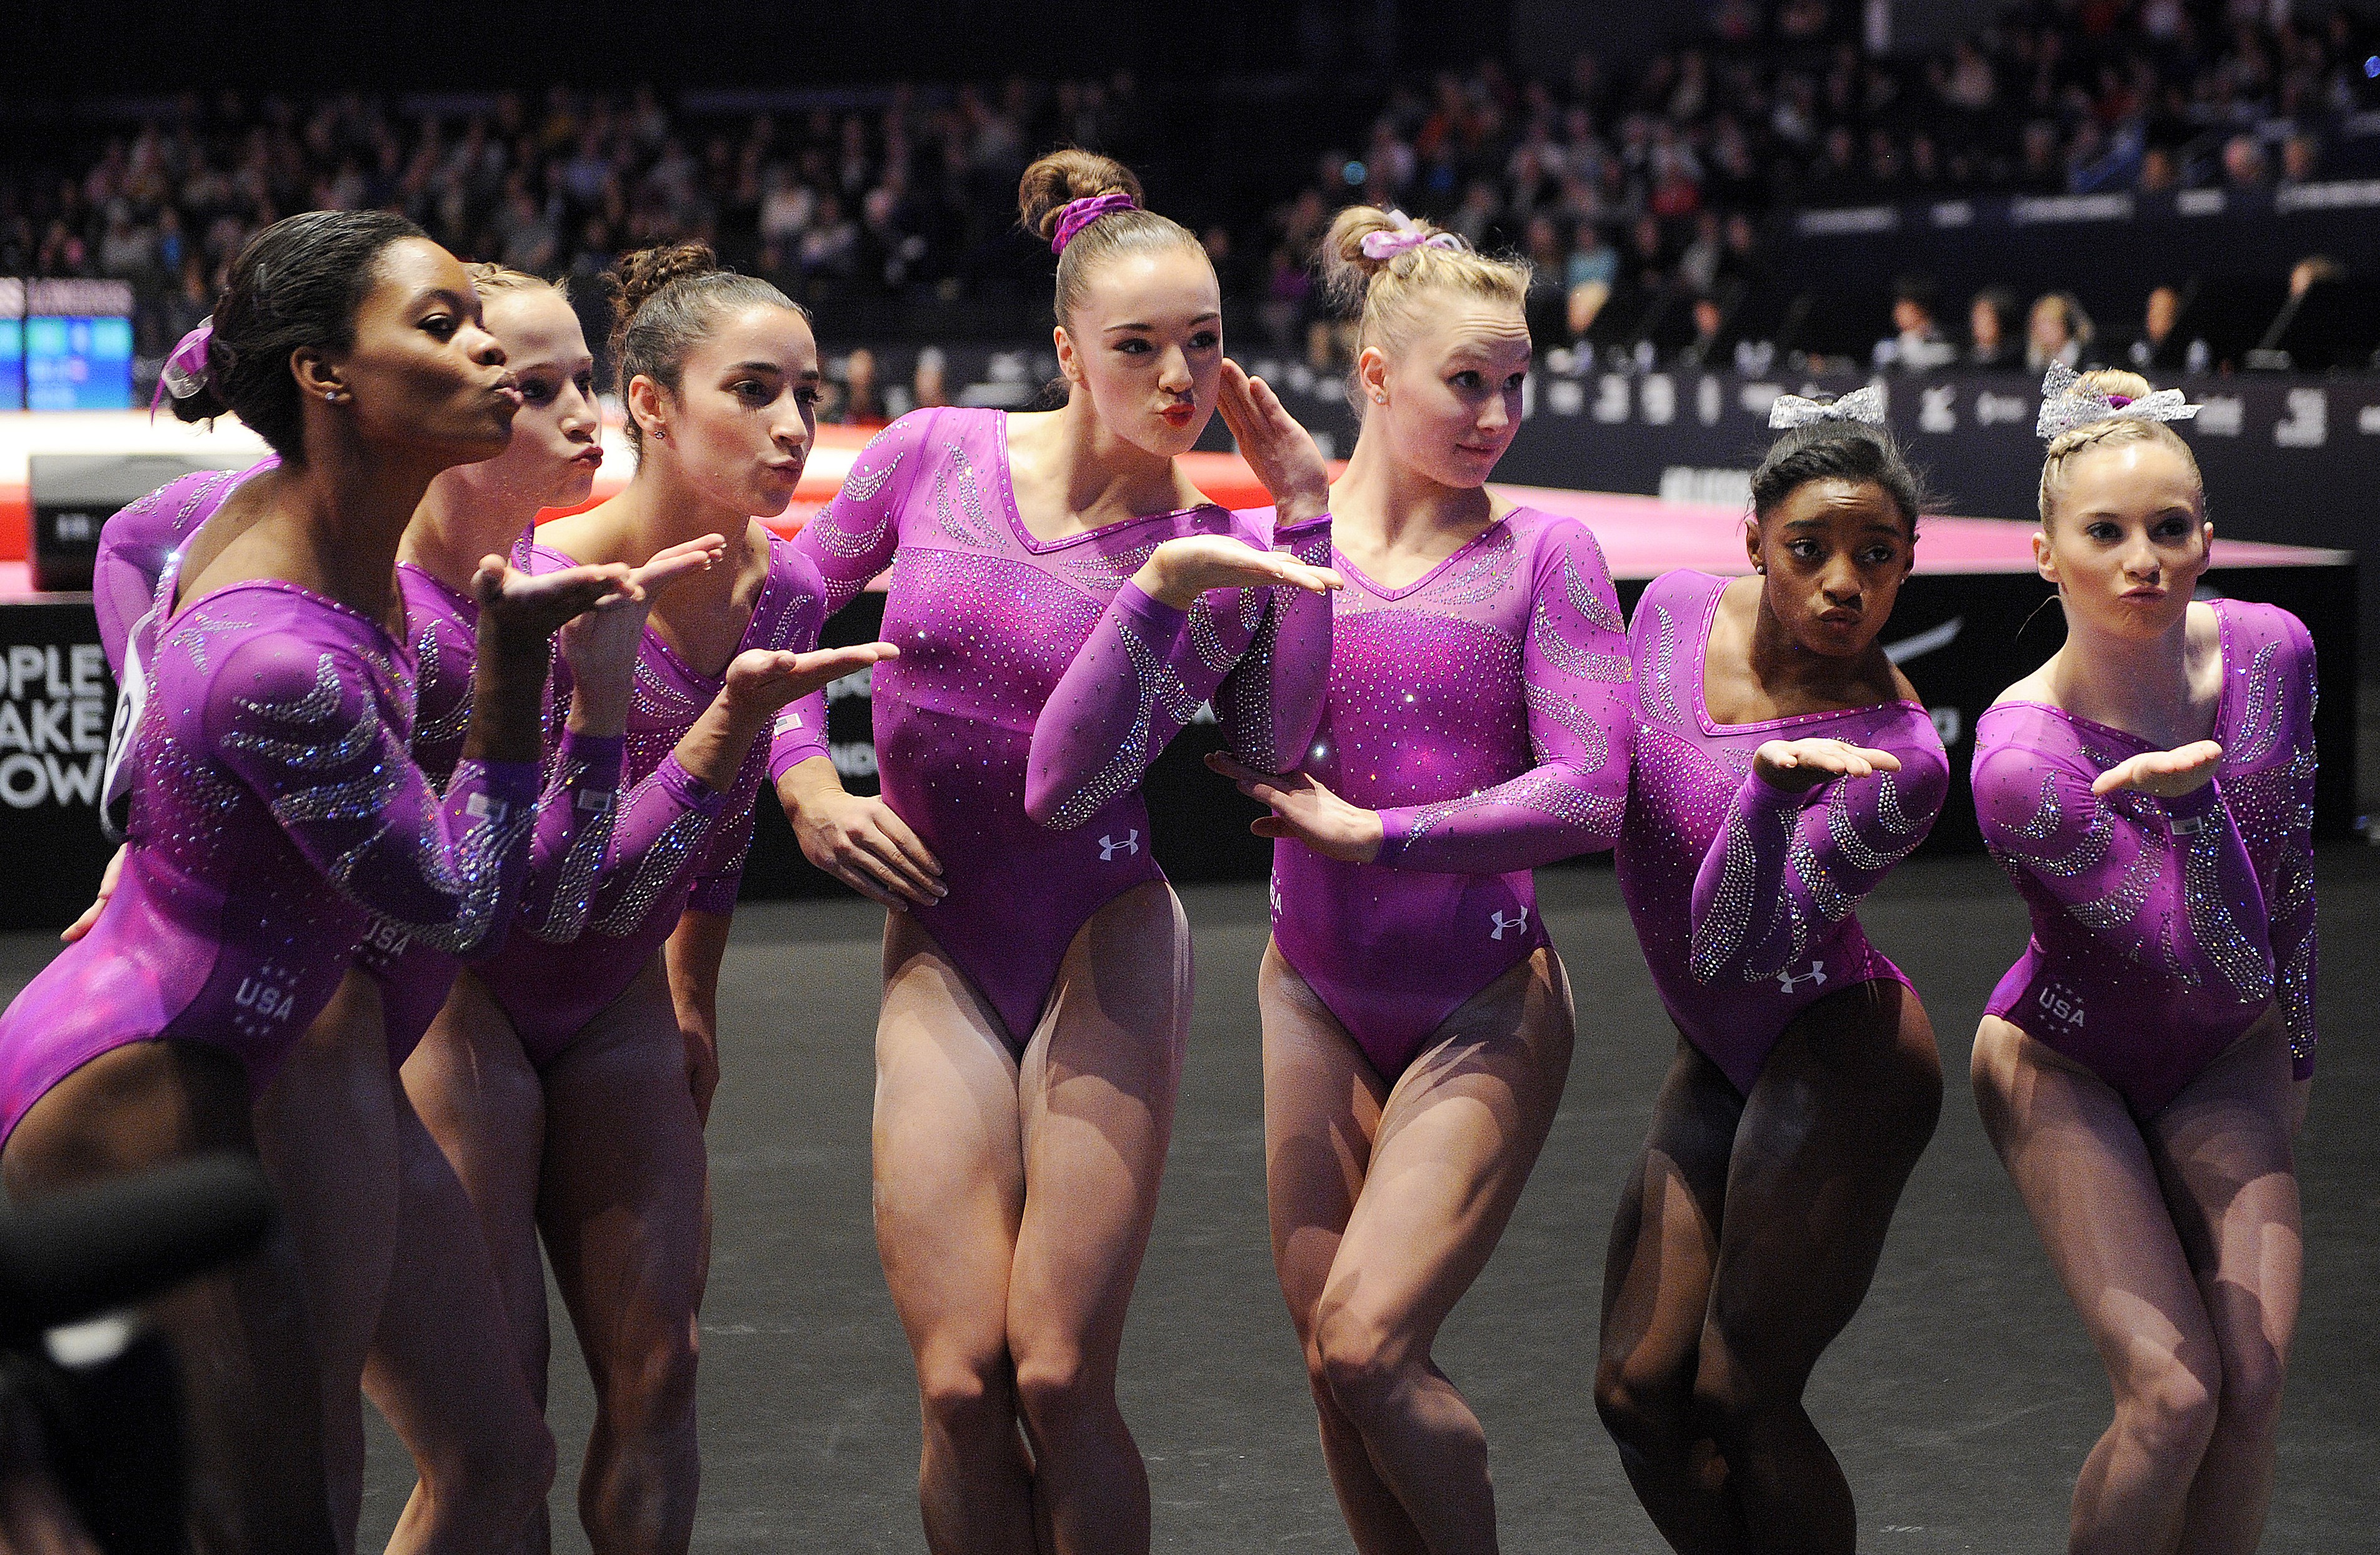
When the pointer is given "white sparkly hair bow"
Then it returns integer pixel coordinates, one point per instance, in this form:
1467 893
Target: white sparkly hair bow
2066 404
1389 245
1863 406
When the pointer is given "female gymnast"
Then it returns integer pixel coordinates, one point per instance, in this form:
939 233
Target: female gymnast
1036 981
1417 1022
1782 766
274 811
2150 789
567 1075
345 1152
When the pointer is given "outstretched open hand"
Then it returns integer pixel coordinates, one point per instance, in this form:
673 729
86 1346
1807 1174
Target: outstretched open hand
1180 570
1303 808
518 607
1281 454
1798 766
601 644
762 680
2165 775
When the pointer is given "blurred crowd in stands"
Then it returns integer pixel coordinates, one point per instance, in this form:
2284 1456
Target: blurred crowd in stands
1653 190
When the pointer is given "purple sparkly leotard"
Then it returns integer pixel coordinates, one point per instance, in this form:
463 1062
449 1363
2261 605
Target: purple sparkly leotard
2162 928
574 817
139 555
269 765
130 591
1743 894
1483 710
590 925
988 620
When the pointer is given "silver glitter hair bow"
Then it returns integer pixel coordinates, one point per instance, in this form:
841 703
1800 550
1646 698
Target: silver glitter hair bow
1863 406
2066 404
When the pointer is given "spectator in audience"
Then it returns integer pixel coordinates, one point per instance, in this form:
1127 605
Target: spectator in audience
1705 352
862 402
2056 331
1916 345
2159 349
2244 162
1991 328
928 385
2301 155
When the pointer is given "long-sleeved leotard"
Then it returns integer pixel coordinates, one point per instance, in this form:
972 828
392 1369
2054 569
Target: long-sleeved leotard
139 547
1743 896
274 811
139 553
573 815
988 620
2162 928
1147 668
1484 711
591 925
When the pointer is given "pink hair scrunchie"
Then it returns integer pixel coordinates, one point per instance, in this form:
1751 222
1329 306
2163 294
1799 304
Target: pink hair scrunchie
1076 215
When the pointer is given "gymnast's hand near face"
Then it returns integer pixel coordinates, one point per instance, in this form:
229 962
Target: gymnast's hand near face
1798 766
1180 570
858 839
1281 454
601 644
762 680
1303 808
2165 775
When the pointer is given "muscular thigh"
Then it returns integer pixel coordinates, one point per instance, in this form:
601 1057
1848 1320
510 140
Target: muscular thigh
141 1105
2080 1162
1458 1136
1664 1251
949 1151
1830 1133
622 1194
2223 1156
1097 1088
1322 1109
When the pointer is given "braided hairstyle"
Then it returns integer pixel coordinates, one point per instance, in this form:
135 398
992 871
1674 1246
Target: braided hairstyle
2116 430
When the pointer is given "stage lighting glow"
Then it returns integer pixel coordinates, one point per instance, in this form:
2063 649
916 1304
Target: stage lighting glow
2372 67
1354 173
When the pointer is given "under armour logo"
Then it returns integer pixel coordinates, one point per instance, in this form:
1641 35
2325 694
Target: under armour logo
1817 974
1110 846
1516 923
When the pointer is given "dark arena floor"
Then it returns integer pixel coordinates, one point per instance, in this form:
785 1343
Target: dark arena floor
1962 1400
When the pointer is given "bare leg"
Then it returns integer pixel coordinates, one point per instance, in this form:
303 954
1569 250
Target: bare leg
2078 1161
1322 1111
445 1373
1657 1288
327 1136
1097 1089
2222 1152
1830 1133
251 1392
484 1105
625 1218
950 1192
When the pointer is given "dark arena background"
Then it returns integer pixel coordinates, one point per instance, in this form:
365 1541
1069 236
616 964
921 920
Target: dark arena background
1723 201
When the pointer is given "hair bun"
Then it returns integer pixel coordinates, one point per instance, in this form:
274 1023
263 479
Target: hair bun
1347 269
635 277
1062 176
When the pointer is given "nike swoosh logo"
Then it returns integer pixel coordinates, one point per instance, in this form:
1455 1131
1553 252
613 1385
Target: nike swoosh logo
1926 641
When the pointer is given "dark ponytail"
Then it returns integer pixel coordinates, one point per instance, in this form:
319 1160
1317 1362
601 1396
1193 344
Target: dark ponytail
1832 450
